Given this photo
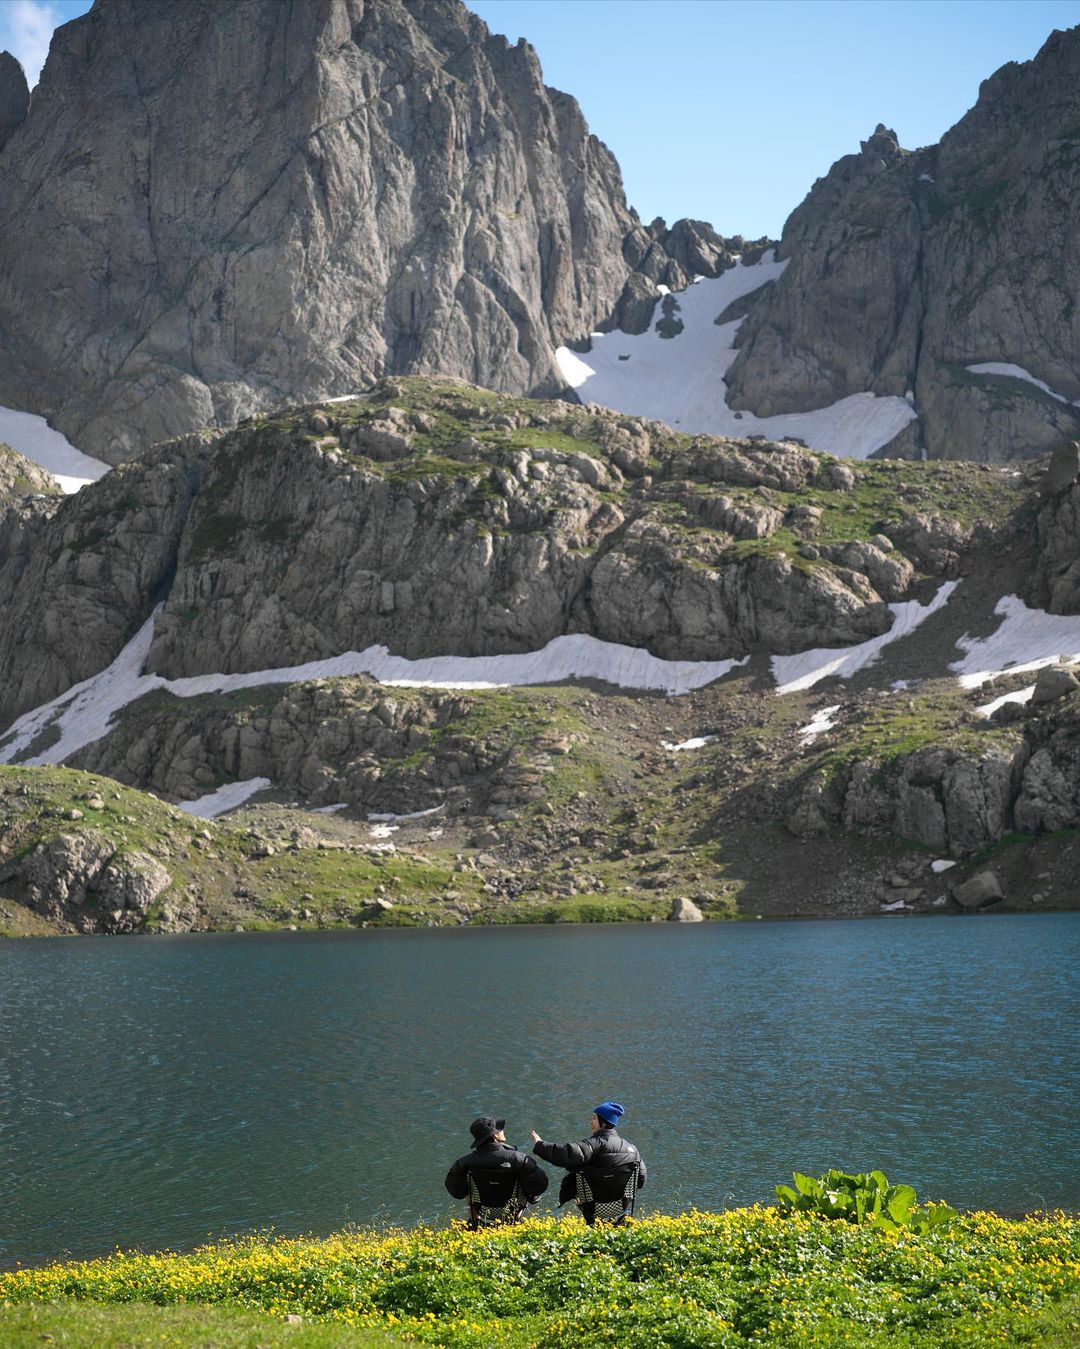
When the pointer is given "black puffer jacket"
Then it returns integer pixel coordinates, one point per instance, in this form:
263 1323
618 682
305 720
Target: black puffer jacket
604 1149
491 1163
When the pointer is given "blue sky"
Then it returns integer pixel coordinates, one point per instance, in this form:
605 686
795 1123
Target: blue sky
727 110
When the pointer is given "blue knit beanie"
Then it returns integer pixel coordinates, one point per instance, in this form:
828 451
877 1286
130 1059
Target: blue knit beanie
609 1112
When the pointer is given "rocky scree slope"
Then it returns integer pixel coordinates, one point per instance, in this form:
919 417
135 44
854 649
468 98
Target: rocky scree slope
908 267
437 519
210 209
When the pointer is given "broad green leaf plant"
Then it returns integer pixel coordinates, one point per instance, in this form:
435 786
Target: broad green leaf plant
866 1197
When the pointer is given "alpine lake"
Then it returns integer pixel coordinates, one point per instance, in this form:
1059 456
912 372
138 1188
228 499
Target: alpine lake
157 1092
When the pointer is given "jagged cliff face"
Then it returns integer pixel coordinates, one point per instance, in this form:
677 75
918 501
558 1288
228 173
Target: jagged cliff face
216 207
907 268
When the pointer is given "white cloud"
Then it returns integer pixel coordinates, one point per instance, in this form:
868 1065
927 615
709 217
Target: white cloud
29 28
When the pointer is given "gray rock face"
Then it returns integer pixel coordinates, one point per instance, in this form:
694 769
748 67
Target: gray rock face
28 496
372 748
672 257
908 267
80 881
1049 795
952 800
14 97
1055 582
1062 471
513 549
314 195
948 801
78 577
21 480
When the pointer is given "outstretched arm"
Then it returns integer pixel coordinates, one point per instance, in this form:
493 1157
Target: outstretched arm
572 1156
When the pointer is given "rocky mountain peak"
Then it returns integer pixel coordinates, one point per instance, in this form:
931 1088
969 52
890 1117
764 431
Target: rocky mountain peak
358 188
907 277
14 96
882 147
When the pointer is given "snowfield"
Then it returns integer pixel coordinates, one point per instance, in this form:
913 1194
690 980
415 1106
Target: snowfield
84 713
35 439
804 670
1018 372
227 797
680 380
1027 639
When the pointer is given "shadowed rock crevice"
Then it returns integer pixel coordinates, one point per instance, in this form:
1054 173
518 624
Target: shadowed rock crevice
14 97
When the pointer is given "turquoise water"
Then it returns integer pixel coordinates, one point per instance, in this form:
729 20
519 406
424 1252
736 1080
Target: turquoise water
157 1091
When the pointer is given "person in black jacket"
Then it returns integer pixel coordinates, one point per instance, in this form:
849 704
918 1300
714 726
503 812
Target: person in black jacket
605 1163
503 1178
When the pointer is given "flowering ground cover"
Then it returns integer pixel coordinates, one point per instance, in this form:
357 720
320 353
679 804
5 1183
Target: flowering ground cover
749 1276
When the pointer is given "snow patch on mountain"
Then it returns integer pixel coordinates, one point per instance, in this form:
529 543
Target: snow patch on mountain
1021 696
819 723
1027 639
680 380
805 669
695 742
227 797
85 712
1018 372
36 440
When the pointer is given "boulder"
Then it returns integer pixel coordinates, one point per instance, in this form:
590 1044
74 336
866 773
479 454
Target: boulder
1049 796
634 311
57 874
1053 682
131 883
684 910
981 889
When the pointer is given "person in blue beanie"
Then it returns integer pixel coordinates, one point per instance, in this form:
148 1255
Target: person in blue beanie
603 1172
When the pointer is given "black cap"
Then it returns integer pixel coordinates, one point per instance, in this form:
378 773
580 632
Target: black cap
485 1127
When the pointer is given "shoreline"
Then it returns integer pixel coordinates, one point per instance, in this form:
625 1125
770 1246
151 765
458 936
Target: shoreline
526 924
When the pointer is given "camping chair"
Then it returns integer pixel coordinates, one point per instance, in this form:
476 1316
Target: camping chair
494 1200
606 1196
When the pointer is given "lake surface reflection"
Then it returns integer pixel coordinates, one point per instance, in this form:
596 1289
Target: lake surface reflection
158 1091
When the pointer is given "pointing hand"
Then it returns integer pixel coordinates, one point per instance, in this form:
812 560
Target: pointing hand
535 1137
